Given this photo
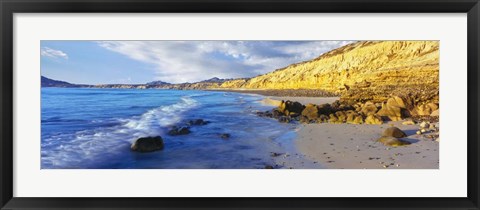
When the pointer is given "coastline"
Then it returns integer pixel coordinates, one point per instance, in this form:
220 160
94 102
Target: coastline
352 146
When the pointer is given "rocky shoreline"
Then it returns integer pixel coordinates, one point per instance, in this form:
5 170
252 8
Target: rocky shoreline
395 108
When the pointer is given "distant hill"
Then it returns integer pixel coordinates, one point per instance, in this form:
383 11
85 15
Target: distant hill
157 83
216 80
47 82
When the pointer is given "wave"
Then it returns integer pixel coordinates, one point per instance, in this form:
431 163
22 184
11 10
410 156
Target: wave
72 150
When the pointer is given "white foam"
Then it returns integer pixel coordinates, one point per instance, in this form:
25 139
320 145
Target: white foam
91 144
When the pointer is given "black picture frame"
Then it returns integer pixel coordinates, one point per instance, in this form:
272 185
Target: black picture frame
10 7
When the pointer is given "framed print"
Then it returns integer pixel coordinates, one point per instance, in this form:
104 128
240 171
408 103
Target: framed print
239 105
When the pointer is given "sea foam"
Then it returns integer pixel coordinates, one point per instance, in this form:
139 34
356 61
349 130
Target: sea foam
107 141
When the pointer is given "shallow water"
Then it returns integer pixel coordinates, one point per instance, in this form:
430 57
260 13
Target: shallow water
94 128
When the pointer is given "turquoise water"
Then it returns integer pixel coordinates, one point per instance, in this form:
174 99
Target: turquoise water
94 128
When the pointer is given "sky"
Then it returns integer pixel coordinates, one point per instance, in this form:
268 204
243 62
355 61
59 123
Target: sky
139 62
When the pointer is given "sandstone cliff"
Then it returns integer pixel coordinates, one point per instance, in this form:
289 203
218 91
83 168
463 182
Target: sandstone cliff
373 67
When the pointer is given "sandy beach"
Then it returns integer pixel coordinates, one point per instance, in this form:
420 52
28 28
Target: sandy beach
352 146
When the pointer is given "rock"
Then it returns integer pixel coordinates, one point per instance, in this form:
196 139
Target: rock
419 132
175 131
290 108
394 132
322 119
392 141
373 119
203 122
353 117
424 124
368 108
396 101
268 167
310 112
148 144
408 122
284 119
393 113
225 135
425 109
342 117
324 109
334 119
435 113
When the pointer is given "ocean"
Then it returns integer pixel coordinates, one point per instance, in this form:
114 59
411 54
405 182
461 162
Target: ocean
86 128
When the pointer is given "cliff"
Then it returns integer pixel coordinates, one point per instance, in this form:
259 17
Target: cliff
380 67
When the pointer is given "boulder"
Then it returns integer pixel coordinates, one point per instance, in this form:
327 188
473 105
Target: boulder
324 109
368 108
393 113
284 119
175 131
334 119
373 119
290 108
396 102
435 113
394 132
424 124
342 117
392 141
353 117
310 112
225 135
424 109
147 144
322 119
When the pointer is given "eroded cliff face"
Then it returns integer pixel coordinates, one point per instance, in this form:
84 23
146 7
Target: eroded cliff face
378 68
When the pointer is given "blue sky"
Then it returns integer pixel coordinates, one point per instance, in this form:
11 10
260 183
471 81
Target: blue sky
138 62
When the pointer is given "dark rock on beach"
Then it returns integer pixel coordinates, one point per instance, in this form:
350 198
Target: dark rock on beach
175 131
148 144
394 132
392 141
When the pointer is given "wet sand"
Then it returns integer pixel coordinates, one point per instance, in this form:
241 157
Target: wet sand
348 146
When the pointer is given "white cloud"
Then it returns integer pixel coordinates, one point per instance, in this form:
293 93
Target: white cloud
190 61
49 52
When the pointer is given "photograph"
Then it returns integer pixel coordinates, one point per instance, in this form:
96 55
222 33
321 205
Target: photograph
239 104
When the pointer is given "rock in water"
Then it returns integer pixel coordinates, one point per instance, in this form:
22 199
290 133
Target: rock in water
394 132
225 136
198 122
392 141
175 131
148 144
